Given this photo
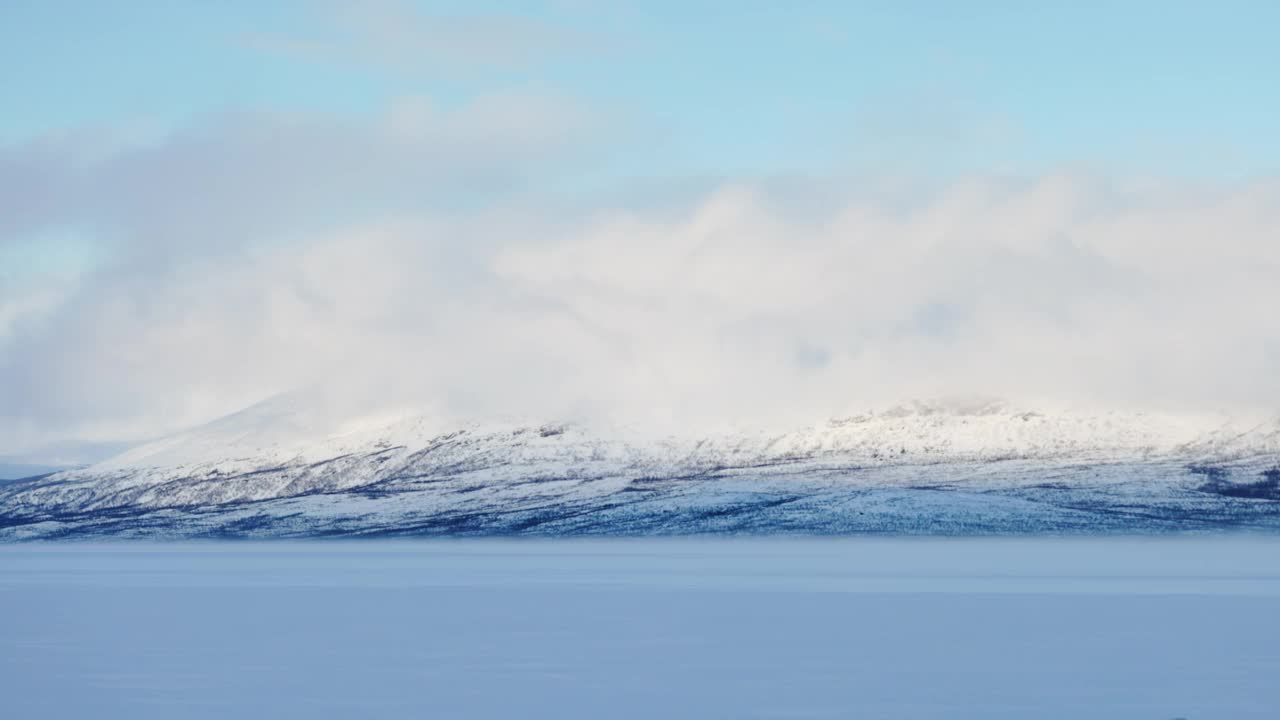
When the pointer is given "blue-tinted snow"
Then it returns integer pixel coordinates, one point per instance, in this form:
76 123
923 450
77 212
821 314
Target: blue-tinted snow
644 628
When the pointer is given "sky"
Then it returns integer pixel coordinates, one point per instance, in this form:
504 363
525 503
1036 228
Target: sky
664 212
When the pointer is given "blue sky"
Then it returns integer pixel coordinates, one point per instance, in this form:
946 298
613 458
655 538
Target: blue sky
755 86
676 209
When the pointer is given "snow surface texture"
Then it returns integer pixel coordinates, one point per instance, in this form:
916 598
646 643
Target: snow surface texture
283 469
987 629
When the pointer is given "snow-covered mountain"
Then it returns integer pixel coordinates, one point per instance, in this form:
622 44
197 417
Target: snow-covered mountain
287 468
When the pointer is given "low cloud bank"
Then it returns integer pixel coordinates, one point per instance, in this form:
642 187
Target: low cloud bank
1055 291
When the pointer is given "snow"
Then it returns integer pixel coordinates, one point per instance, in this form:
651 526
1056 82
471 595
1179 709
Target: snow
640 629
300 427
292 467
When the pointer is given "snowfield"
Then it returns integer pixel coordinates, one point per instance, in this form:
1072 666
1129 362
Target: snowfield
902 629
282 470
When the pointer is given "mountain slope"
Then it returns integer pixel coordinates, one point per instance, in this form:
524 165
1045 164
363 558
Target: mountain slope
286 469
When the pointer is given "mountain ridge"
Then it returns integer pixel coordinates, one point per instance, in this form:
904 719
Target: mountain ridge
940 467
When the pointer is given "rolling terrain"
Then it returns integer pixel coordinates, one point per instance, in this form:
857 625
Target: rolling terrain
976 469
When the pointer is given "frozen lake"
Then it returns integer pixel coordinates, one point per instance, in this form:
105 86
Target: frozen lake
850 628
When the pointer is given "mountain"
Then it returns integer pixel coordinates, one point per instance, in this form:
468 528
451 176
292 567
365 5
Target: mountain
287 468
20 471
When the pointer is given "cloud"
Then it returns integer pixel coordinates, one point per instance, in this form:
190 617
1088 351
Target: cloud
1049 291
238 178
98 237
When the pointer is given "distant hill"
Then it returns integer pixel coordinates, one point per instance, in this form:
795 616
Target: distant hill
279 469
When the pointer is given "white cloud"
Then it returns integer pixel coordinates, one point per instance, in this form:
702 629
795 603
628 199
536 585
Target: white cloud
239 179
1061 290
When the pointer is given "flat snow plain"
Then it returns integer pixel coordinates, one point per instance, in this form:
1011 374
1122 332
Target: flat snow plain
848 628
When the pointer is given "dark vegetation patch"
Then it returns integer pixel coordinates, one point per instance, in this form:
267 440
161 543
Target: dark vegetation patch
1049 486
243 527
547 431
543 480
1211 473
646 483
742 508
1217 481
